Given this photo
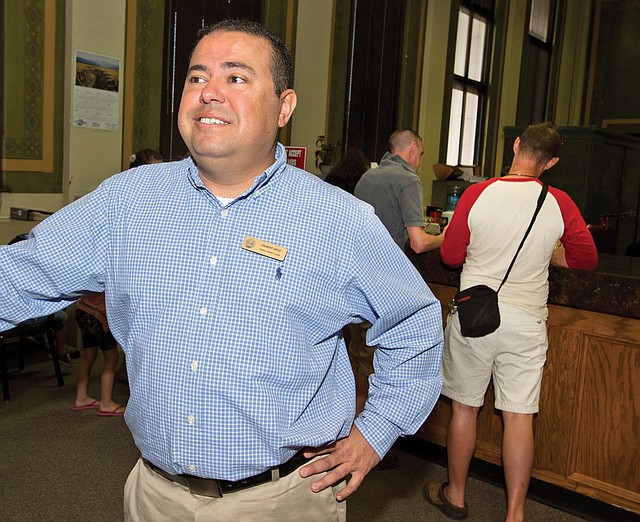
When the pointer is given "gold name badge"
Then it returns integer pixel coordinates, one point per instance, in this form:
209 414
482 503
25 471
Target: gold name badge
263 248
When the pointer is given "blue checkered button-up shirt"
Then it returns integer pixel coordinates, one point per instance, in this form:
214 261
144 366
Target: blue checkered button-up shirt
236 358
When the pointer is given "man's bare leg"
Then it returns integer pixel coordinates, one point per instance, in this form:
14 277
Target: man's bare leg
517 459
461 444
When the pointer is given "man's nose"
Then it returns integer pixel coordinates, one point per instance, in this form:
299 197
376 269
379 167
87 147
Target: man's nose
212 92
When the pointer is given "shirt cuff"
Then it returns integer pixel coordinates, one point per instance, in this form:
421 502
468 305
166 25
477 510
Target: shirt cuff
378 432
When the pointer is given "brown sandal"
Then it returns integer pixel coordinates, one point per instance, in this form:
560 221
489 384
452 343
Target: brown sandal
433 492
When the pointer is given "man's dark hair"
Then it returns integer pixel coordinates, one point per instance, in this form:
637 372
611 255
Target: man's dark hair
143 157
281 61
541 142
18 238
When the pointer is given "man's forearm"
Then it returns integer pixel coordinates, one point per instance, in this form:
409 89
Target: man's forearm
420 241
558 258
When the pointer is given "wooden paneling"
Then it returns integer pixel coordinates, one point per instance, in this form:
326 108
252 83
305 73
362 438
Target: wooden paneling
609 397
557 394
587 433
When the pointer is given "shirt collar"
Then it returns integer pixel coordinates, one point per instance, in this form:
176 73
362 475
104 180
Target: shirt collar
259 183
394 159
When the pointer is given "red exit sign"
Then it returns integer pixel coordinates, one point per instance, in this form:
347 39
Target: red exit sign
297 156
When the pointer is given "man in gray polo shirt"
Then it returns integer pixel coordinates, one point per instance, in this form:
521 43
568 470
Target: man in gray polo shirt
395 192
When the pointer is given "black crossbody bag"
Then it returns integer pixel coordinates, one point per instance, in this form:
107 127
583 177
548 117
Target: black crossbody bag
477 306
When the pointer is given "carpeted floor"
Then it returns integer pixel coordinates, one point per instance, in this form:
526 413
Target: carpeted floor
59 465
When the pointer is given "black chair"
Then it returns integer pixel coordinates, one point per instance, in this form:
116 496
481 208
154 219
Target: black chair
19 337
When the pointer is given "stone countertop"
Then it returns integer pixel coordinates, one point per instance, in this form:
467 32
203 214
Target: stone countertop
612 288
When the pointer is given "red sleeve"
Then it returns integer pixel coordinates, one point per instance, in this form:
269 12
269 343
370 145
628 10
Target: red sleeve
453 250
580 249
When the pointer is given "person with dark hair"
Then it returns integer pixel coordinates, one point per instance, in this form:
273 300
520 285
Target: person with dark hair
541 143
228 278
489 223
348 171
144 157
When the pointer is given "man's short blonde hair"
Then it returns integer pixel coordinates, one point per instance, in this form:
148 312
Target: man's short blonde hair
401 139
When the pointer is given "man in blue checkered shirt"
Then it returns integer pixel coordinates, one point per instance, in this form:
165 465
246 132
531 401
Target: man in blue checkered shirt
228 278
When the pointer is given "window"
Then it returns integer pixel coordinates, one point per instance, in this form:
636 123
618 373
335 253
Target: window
468 96
539 21
536 66
377 55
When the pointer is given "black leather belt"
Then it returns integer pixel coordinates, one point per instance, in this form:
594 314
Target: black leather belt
216 488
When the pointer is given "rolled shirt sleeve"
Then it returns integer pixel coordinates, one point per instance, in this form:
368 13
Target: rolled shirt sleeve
408 335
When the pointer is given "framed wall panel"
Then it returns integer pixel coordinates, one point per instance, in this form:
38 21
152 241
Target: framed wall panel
29 48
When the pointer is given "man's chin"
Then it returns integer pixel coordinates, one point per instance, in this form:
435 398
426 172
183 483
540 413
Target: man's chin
204 154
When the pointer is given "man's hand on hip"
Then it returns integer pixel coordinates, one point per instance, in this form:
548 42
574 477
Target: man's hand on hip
351 455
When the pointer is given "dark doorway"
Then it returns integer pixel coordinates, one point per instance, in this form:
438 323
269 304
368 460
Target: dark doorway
183 20
375 75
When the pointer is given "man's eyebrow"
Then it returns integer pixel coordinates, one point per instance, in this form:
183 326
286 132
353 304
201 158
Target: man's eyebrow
198 67
238 65
224 65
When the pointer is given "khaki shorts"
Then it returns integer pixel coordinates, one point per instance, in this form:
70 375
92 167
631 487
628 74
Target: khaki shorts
513 355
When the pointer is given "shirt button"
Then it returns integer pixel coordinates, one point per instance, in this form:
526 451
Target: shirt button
213 261
203 311
192 468
224 212
191 419
194 365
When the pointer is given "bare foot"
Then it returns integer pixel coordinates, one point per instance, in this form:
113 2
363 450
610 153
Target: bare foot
111 407
85 404
115 410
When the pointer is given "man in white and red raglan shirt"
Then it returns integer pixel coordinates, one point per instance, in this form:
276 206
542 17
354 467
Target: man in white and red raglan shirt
489 223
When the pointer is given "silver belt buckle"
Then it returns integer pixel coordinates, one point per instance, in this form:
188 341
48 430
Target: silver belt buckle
205 487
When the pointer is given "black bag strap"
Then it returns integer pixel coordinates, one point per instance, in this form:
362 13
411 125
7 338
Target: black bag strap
543 194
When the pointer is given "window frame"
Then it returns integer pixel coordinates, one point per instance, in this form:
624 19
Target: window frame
529 99
468 85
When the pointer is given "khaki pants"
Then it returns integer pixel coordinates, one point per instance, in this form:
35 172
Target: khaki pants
150 497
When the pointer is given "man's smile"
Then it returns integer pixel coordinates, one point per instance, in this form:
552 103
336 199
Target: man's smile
212 121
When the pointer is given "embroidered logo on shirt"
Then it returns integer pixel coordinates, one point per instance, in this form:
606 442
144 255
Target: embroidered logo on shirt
261 247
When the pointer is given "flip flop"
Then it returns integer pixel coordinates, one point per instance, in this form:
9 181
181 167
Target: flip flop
118 412
433 492
91 406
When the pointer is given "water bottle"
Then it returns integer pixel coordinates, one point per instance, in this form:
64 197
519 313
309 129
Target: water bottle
453 195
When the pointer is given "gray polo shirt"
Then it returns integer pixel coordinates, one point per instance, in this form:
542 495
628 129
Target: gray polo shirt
395 192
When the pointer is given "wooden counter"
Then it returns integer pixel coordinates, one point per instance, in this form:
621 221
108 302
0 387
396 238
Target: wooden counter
587 433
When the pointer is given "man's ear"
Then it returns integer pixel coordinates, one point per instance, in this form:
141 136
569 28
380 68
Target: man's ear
551 163
516 145
288 101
